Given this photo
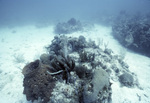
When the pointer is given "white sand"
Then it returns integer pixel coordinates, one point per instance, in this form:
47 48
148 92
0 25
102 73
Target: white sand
28 43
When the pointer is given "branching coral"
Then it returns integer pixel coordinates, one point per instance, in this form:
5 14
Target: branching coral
63 65
86 57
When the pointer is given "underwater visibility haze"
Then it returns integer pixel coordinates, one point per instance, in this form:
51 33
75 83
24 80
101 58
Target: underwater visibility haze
22 12
74 51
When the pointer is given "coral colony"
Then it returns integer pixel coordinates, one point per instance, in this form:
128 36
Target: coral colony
70 26
75 71
133 32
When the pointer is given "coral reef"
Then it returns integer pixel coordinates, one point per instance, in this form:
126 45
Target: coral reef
70 26
75 71
133 32
59 43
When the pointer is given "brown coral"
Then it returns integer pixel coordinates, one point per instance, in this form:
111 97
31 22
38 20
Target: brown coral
37 82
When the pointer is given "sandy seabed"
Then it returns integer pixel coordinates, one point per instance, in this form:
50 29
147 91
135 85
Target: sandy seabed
21 45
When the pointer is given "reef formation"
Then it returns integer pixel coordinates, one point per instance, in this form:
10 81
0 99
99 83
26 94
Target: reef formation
133 32
68 27
75 71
